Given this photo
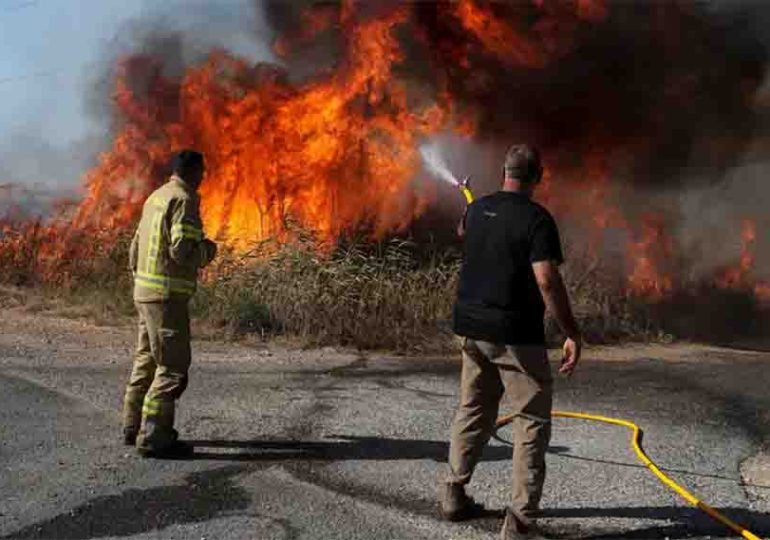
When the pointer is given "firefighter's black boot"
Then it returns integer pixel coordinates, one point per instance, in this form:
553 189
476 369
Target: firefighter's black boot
174 450
456 505
129 436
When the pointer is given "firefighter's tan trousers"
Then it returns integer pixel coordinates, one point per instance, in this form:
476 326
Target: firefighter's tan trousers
159 375
522 372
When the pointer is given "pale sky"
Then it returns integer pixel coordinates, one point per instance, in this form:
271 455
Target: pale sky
52 51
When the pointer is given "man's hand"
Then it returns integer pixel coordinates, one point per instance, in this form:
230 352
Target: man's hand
572 349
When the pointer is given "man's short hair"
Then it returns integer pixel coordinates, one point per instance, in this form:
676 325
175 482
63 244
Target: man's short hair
185 161
522 162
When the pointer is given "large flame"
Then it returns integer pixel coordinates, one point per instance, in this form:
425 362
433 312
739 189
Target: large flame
331 155
339 152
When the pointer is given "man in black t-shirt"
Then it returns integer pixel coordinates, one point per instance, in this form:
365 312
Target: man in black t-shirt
509 275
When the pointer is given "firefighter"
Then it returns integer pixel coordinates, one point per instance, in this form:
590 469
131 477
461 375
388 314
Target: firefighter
509 275
168 249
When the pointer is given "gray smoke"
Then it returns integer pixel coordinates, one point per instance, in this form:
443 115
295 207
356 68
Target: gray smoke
36 173
37 169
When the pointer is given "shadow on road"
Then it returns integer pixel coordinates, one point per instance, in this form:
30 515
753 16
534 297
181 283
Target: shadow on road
343 448
687 521
564 453
202 497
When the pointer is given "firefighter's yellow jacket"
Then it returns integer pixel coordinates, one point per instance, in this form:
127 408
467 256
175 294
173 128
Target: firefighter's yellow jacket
168 247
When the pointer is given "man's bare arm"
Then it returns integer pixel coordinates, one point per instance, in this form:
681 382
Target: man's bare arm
555 296
461 225
557 301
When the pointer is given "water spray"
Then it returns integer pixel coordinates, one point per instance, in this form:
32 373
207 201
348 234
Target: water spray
434 161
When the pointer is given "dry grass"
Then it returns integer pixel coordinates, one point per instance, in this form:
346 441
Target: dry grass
369 296
602 305
83 275
392 295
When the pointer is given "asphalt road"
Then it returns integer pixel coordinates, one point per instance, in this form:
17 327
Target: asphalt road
326 445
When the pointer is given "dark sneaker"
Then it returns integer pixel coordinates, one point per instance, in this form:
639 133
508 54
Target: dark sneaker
515 529
456 505
129 436
175 450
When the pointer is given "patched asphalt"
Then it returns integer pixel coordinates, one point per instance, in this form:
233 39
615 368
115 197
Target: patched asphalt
327 444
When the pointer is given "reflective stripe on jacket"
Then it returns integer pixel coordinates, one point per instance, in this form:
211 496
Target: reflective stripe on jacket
167 250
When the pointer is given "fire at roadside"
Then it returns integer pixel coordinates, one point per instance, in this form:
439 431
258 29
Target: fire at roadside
645 114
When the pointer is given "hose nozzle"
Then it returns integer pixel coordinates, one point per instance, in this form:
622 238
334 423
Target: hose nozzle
465 188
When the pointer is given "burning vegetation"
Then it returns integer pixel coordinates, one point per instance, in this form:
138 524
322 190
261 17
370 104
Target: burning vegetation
632 104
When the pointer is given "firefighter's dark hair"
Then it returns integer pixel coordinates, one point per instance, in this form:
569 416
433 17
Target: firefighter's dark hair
185 161
522 162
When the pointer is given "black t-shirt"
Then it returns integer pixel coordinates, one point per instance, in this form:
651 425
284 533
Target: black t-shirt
498 298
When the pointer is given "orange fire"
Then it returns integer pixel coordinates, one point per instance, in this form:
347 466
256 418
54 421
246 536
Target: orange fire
740 276
330 156
648 254
648 248
338 153
550 37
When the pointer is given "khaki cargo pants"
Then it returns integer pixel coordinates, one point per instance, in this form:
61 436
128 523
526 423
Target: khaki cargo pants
159 374
521 372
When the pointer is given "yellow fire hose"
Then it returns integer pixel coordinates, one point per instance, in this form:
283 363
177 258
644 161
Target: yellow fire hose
635 441
637 446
